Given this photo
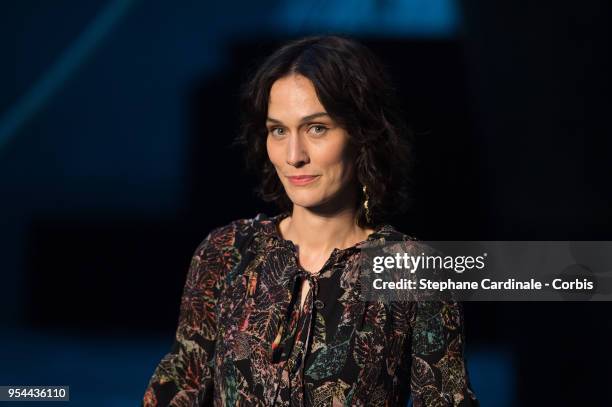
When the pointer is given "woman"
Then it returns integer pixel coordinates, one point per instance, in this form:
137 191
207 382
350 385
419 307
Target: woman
270 313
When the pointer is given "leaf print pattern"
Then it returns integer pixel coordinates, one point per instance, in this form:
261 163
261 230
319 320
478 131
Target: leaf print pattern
328 394
242 339
429 332
328 361
422 373
439 378
366 349
319 335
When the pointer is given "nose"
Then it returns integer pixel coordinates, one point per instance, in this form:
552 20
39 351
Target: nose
297 154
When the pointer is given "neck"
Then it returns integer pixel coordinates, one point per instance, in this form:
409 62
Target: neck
322 232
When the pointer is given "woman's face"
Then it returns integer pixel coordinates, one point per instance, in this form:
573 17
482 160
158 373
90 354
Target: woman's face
309 150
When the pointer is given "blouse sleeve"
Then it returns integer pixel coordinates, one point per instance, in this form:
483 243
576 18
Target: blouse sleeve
184 376
439 374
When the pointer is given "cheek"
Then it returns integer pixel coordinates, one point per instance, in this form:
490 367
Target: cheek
274 152
340 166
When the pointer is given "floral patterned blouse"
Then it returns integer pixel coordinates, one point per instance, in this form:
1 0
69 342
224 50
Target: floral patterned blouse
242 339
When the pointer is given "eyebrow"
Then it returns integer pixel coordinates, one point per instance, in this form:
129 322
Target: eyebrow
303 119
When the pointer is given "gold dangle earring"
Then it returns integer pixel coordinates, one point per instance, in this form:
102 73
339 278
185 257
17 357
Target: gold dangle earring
365 204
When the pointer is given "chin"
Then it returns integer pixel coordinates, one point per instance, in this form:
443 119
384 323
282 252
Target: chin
305 199
308 200
305 203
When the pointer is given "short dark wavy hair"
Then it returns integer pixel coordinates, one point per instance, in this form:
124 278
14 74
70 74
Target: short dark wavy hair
356 91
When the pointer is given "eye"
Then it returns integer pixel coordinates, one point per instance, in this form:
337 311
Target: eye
317 130
277 131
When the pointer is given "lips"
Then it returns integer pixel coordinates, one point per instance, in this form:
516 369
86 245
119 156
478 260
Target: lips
302 179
